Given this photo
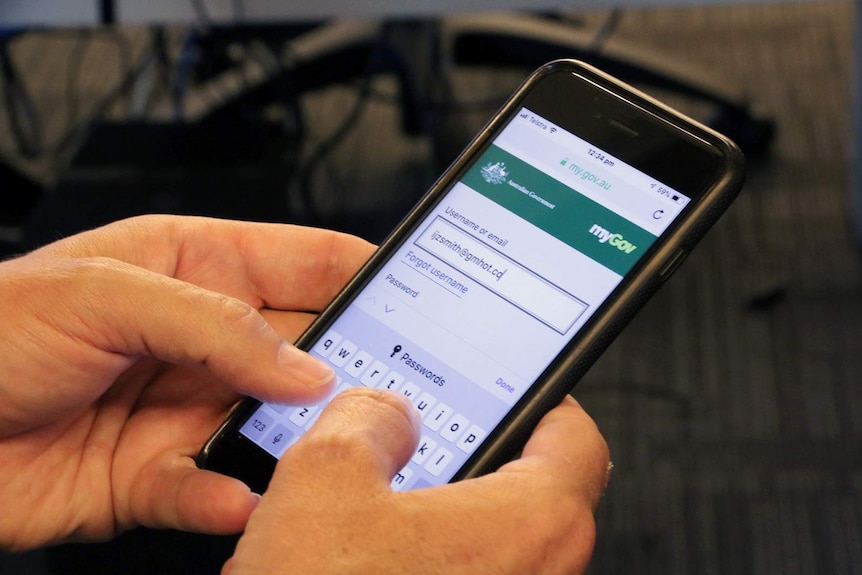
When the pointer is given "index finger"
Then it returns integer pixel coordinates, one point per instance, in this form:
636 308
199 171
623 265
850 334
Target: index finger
300 268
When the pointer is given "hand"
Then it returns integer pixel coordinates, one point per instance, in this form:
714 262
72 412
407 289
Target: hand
121 349
330 510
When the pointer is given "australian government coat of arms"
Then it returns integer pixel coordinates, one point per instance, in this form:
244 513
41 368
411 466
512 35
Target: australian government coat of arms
495 173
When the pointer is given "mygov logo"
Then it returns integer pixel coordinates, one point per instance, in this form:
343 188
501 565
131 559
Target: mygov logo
612 239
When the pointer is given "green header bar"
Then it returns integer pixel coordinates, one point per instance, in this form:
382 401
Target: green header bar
571 217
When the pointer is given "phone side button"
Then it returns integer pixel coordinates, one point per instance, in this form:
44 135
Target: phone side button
672 264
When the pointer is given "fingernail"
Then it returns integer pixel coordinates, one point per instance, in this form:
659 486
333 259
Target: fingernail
253 499
305 368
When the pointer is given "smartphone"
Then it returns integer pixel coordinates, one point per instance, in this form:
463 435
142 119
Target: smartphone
523 262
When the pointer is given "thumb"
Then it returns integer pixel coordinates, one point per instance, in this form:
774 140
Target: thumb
331 486
362 438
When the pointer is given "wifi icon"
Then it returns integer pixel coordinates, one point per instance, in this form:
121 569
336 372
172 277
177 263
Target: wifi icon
553 129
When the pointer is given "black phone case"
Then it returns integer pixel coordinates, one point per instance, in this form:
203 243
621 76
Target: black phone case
228 452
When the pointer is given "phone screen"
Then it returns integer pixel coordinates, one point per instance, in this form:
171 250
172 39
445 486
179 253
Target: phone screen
484 294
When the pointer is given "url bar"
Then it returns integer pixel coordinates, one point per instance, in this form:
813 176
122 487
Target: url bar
629 195
604 165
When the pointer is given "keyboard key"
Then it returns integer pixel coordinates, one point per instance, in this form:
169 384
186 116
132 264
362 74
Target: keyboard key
471 439
423 452
327 343
392 381
302 415
422 483
278 441
358 363
410 390
343 353
374 374
401 478
454 427
424 403
438 416
438 462
257 426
